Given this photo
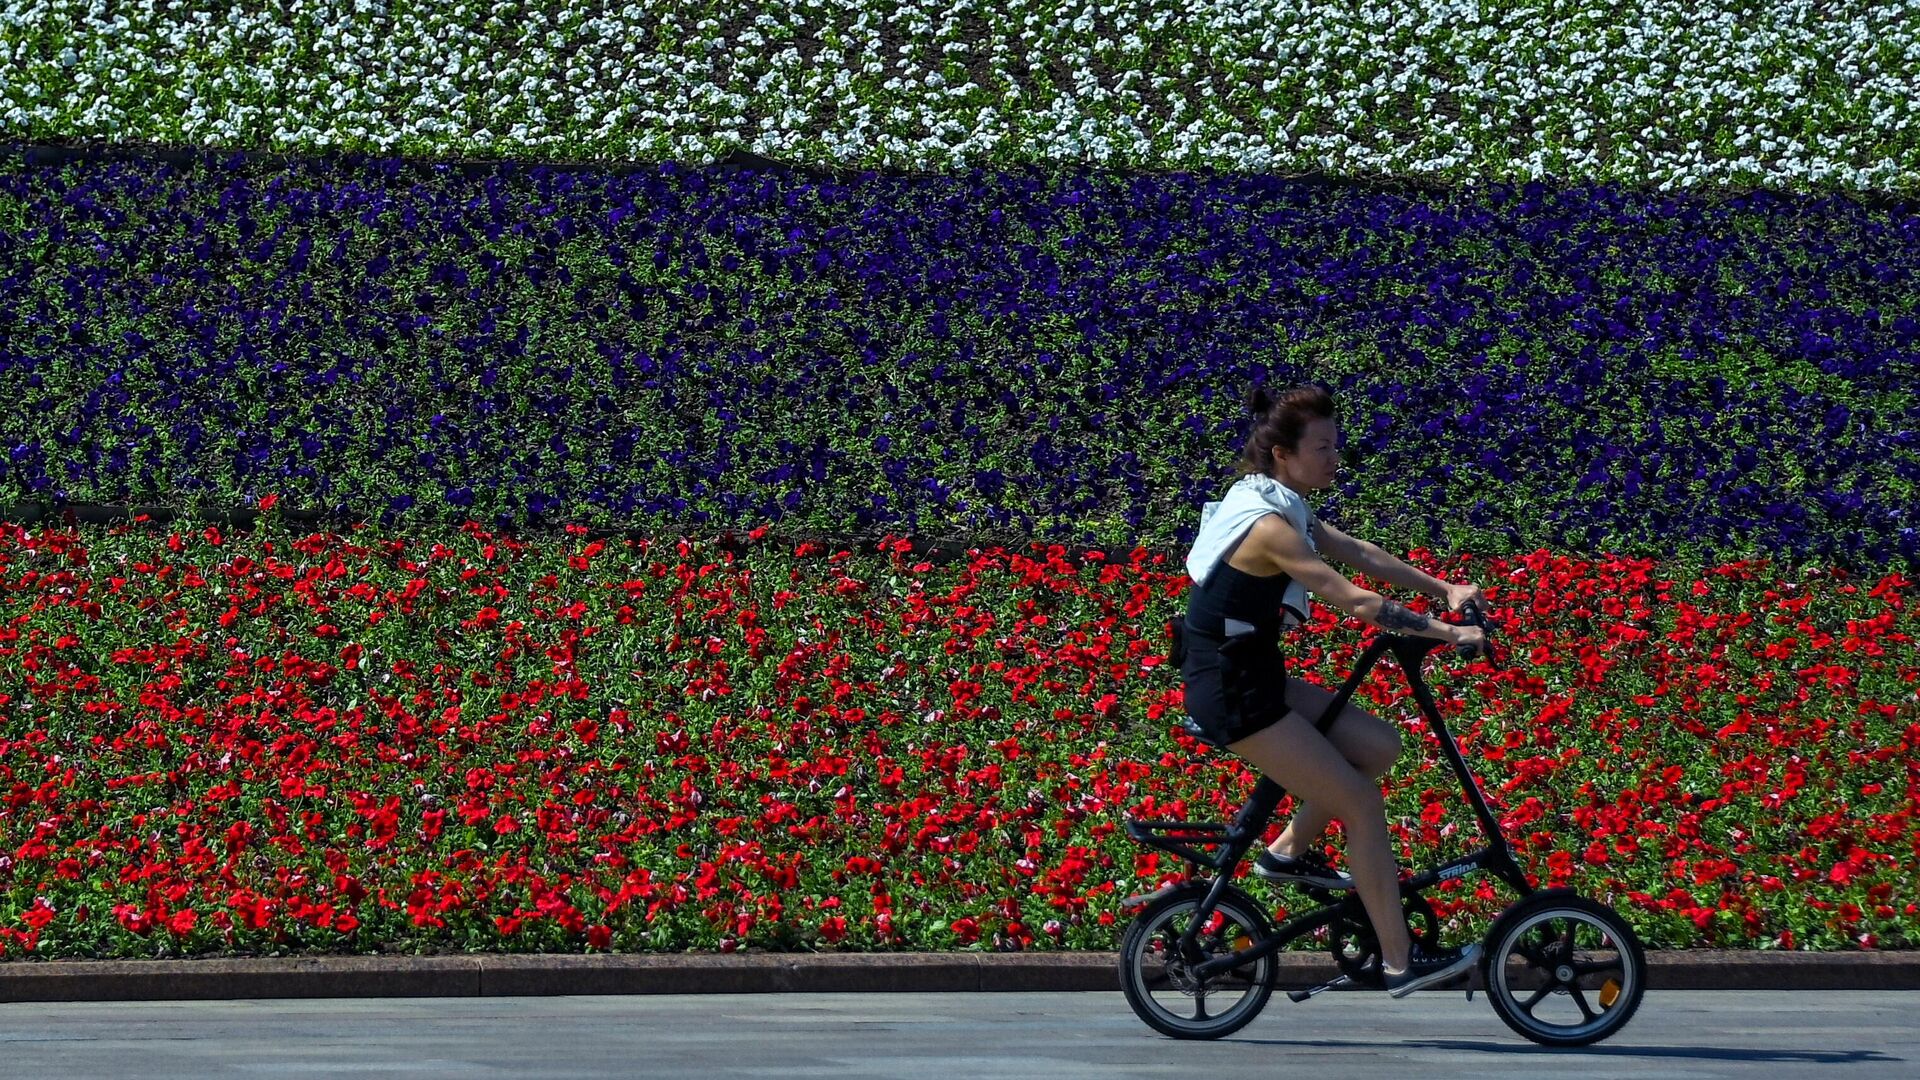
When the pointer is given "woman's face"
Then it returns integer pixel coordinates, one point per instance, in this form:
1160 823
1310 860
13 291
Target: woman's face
1316 464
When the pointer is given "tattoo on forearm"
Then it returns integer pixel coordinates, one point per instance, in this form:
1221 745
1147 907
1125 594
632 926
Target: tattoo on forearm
1395 617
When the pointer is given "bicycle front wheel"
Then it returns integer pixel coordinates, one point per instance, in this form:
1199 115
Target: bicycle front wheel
1563 970
1156 979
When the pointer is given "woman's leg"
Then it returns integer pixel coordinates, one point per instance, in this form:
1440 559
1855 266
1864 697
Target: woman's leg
1301 760
1371 744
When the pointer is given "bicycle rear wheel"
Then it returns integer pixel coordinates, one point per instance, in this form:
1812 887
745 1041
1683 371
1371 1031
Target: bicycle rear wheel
1154 976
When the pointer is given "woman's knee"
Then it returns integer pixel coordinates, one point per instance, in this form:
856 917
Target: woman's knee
1385 748
1372 744
1302 760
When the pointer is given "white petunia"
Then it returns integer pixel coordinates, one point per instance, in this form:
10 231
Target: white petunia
1813 94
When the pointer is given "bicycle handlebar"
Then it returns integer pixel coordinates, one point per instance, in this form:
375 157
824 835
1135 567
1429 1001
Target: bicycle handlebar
1476 617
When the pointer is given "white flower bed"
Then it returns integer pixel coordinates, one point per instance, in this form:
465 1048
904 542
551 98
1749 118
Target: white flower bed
1790 94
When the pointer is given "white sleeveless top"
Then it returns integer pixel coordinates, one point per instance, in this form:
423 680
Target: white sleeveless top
1221 523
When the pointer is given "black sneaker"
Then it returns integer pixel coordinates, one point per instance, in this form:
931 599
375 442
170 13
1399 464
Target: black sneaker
1427 968
1309 868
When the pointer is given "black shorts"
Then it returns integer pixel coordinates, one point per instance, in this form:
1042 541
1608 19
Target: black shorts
1233 690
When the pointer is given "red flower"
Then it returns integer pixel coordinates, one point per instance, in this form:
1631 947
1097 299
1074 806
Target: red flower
39 915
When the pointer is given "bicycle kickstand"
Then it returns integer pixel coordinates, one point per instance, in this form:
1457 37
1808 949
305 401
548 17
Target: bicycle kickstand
1302 995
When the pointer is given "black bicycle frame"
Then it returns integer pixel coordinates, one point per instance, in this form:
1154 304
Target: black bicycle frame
1235 839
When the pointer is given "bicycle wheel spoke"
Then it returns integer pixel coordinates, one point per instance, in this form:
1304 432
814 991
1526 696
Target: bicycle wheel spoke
1527 1005
1566 943
1580 999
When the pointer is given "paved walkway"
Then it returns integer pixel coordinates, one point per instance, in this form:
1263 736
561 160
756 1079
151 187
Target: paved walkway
1687 1035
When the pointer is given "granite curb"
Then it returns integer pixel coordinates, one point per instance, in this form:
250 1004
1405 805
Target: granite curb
534 975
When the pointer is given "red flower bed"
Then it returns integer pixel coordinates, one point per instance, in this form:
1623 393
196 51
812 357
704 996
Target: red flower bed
213 743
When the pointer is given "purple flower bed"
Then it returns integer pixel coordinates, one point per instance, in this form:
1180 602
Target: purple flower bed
997 355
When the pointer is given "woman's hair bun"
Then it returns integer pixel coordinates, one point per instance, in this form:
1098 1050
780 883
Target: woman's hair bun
1279 420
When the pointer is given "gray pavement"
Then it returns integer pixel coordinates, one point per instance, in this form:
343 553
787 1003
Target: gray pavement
942 1036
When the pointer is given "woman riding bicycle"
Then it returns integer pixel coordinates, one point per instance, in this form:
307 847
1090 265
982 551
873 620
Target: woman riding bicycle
1258 551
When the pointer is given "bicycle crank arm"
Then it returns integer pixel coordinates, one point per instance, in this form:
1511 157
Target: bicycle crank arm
1302 995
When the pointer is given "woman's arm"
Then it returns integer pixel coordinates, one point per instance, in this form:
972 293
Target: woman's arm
1376 561
1286 548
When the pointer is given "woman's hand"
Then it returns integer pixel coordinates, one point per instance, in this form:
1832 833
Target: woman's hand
1459 593
1468 638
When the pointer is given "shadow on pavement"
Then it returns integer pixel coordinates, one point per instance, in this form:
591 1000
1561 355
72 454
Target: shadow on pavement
1715 1053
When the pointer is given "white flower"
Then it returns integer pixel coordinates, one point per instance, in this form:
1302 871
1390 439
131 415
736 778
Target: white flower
1455 87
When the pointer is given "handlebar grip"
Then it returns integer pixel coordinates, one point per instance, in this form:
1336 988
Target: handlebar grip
1476 617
